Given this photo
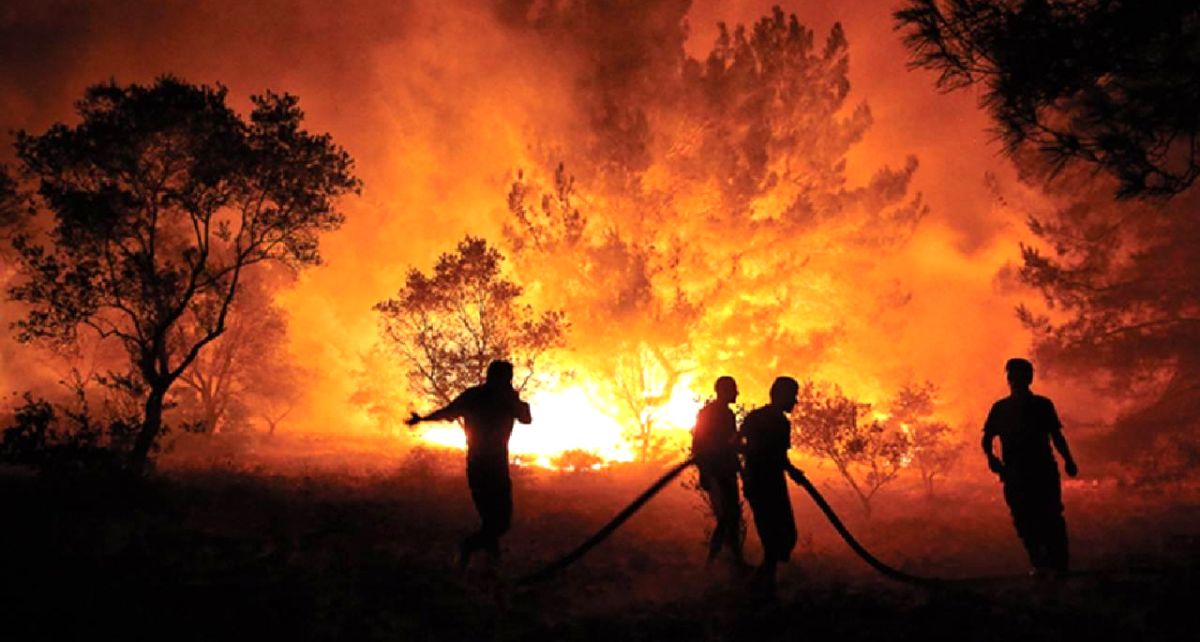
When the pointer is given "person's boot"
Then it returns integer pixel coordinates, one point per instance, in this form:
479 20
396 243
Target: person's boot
762 582
714 547
465 549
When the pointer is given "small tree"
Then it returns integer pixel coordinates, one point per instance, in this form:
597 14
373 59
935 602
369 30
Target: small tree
644 379
935 447
247 371
447 327
866 452
157 203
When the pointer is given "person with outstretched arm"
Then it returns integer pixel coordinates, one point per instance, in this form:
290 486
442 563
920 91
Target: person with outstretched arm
766 434
1027 425
487 412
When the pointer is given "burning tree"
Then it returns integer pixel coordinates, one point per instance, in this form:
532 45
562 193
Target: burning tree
447 327
934 445
152 208
867 452
706 208
644 380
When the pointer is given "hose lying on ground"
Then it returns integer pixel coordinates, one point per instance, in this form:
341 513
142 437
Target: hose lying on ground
612 525
887 571
621 517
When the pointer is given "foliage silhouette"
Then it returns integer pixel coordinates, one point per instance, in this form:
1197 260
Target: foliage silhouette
868 453
1109 84
448 326
934 446
156 204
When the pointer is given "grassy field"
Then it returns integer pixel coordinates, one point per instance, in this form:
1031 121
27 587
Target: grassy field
319 540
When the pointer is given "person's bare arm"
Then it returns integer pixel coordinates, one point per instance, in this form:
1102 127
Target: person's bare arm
988 444
1060 444
788 467
450 412
522 412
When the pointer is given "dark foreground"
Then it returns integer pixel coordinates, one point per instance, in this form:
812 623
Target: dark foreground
236 552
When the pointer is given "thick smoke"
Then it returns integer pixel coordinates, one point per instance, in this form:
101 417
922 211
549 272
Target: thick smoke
442 103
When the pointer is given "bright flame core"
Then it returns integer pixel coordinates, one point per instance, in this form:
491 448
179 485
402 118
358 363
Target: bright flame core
569 419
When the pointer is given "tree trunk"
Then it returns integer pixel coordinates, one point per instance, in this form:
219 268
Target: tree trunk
928 485
211 416
151 425
862 497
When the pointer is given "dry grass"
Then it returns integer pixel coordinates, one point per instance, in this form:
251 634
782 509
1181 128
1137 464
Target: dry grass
316 540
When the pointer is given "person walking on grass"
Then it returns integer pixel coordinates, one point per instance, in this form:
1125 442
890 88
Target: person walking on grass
766 433
487 412
715 449
1027 425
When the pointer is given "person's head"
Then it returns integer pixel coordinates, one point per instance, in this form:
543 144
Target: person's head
500 373
783 393
1019 373
726 389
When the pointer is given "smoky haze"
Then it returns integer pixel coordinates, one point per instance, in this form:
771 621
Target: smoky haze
441 104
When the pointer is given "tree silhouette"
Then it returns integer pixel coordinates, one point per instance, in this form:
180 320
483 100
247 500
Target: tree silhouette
246 373
867 452
934 446
1123 313
11 203
155 204
448 326
1106 83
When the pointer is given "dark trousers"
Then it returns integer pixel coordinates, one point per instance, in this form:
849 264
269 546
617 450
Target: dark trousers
491 491
722 489
767 495
1034 498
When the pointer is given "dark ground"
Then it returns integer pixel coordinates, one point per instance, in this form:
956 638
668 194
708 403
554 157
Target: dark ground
250 549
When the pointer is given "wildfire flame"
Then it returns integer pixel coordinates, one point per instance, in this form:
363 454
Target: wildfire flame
569 418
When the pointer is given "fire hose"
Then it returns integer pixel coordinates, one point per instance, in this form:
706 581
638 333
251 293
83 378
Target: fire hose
599 536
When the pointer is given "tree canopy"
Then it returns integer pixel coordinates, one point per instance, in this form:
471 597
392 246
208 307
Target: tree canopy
446 327
1110 84
150 209
706 209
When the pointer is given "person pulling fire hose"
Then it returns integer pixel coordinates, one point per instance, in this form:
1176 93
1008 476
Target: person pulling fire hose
765 432
557 565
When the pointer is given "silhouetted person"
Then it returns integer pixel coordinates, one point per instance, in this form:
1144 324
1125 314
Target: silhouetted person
487 412
1027 424
767 435
714 445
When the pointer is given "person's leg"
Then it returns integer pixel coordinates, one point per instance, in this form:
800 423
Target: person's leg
477 481
494 503
787 527
760 515
732 516
1055 531
1016 495
763 582
776 530
717 503
502 509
